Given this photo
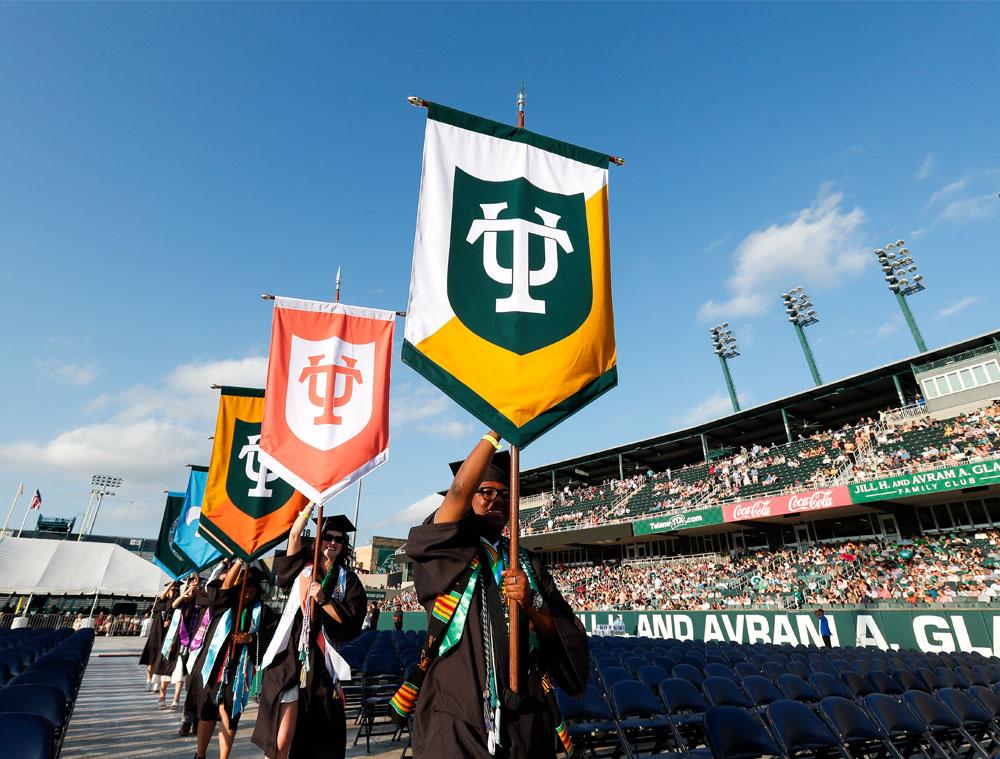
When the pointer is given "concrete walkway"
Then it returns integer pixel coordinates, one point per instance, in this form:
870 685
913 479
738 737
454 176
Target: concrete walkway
115 717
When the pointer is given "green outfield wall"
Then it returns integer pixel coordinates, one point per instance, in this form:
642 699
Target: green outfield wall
929 630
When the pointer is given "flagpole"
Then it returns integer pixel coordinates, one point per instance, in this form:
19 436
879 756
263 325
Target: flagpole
239 611
10 513
319 510
515 503
25 519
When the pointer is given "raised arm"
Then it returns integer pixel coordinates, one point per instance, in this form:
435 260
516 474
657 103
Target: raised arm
295 536
458 500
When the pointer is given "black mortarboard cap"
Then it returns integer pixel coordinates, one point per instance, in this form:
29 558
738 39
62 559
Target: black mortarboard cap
338 522
498 470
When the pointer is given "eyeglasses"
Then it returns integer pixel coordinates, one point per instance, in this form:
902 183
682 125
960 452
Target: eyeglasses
491 494
340 539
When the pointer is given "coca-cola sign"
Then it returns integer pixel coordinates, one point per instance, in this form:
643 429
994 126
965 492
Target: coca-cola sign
779 505
752 510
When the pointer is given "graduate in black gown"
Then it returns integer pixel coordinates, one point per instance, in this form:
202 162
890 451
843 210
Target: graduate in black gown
239 633
159 619
301 711
168 663
453 718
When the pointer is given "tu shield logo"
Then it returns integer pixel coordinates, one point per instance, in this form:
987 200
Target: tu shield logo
251 487
519 270
330 387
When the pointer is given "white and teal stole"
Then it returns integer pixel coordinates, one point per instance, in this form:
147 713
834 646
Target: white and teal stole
245 669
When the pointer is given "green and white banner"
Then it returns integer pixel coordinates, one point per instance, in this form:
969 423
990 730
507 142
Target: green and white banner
928 630
683 521
928 482
510 293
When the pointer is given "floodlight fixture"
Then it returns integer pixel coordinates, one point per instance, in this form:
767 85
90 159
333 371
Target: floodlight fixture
902 279
724 346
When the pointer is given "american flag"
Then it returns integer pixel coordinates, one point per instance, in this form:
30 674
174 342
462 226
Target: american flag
36 500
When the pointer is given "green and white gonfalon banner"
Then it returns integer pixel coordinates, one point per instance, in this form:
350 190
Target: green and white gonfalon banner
510 308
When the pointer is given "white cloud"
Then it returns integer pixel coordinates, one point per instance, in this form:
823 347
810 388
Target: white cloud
927 167
450 428
416 512
717 243
144 451
958 306
80 375
715 406
427 410
888 328
149 432
947 191
916 234
819 245
968 209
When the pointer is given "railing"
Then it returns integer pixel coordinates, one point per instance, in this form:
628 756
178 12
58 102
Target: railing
980 351
913 411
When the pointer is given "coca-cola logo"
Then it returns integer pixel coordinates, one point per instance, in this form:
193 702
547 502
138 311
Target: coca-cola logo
753 510
818 499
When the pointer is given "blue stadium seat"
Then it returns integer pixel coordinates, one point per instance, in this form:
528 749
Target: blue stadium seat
800 732
43 700
762 691
853 727
58 680
642 719
734 733
828 685
652 675
797 689
26 736
589 720
721 691
686 707
942 723
715 669
690 673
908 733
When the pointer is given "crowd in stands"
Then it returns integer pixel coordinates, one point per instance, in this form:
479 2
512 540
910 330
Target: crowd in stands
866 450
933 570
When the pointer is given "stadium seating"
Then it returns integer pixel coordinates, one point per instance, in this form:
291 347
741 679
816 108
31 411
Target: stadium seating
734 710
41 671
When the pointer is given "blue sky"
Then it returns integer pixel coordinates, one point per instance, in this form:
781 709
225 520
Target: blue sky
163 164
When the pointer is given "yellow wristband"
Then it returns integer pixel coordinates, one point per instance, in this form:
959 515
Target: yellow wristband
493 441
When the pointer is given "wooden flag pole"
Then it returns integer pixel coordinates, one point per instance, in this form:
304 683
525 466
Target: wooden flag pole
515 529
319 510
315 572
515 504
239 611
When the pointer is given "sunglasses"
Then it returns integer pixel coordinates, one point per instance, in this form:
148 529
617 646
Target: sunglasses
339 539
491 494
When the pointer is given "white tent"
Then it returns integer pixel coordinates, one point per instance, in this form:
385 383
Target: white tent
66 567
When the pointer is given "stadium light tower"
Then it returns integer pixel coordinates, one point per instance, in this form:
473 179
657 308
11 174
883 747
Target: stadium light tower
903 280
724 345
100 486
801 314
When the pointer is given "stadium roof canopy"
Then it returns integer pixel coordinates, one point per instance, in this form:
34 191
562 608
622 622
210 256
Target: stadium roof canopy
830 405
69 568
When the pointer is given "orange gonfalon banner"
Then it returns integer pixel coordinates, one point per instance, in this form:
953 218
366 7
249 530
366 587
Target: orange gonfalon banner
326 409
247 509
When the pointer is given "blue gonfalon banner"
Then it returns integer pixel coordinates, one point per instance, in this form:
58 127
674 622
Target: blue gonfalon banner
201 553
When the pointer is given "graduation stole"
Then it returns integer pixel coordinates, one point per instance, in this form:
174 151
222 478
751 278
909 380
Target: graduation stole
168 639
446 624
246 672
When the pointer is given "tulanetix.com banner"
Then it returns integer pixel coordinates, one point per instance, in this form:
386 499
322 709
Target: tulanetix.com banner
928 630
